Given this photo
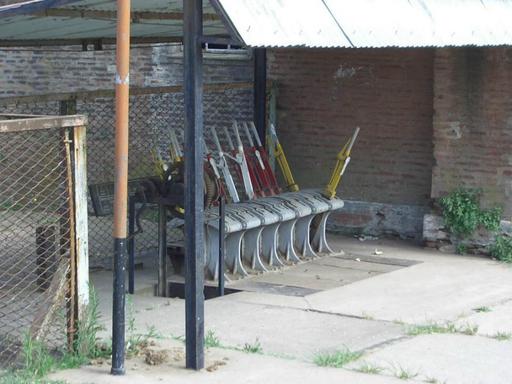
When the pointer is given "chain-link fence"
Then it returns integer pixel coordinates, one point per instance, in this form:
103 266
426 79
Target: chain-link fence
37 289
153 113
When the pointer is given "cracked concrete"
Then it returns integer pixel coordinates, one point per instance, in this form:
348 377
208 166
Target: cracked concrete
370 315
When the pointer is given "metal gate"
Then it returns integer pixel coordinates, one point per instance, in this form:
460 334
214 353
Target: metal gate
43 230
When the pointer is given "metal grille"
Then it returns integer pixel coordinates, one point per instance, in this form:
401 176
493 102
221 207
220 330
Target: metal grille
153 113
35 238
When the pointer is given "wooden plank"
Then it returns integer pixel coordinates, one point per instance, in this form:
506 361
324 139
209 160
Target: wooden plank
80 200
111 15
45 314
43 122
108 93
68 233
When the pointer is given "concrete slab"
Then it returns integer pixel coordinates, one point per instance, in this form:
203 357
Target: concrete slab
223 366
454 359
443 288
280 330
496 321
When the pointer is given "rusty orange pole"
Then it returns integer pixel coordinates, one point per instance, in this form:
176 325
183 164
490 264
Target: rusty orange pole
122 82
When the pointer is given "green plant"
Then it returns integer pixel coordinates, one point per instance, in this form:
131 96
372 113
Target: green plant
482 309
369 369
490 219
404 374
461 249
503 336
37 361
502 249
211 340
336 359
462 213
427 329
468 329
253 348
433 380
86 342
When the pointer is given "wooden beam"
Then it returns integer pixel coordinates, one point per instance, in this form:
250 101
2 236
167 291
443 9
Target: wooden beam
111 15
41 122
81 230
15 43
98 93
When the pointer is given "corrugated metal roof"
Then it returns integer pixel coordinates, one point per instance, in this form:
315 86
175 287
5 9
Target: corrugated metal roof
424 23
284 23
371 23
275 23
96 19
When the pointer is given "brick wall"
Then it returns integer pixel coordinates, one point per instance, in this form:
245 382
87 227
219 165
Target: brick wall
473 123
325 94
28 71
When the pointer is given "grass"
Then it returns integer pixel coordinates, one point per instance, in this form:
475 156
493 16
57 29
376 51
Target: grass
468 329
369 369
403 374
253 348
211 340
39 361
432 380
336 359
426 329
482 309
502 336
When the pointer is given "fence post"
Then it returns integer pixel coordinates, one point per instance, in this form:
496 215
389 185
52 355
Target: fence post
81 225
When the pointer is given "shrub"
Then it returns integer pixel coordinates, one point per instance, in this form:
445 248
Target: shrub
502 249
462 213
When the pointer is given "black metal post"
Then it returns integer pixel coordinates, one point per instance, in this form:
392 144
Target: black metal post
118 311
194 219
162 251
260 91
222 235
131 245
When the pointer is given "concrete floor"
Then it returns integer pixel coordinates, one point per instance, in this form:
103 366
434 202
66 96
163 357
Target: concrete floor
373 315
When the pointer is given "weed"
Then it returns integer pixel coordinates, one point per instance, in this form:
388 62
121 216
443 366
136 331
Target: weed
466 329
461 249
482 309
433 380
502 249
367 316
431 328
336 359
211 340
253 348
369 368
462 213
86 343
37 360
403 374
502 336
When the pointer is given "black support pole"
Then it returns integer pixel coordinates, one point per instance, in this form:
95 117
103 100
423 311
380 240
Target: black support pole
260 91
162 251
222 236
194 219
131 245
